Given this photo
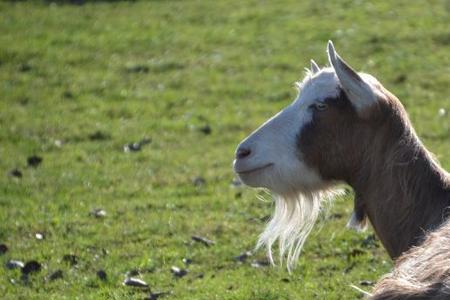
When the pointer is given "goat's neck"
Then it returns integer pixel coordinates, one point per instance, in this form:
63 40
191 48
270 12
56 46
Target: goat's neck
403 192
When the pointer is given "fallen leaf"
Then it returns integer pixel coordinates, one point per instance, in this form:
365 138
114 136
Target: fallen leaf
366 283
31 266
14 264
34 161
15 173
136 146
25 67
243 256
138 69
202 240
156 295
3 249
199 181
135 282
99 136
58 274
206 129
177 272
101 274
260 263
133 272
98 213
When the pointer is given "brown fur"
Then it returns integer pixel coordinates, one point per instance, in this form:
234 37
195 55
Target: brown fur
398 185
421 273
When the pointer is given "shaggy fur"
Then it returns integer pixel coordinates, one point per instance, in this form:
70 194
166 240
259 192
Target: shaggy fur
291 223
421 273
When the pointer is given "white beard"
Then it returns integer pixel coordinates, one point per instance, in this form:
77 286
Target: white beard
291 223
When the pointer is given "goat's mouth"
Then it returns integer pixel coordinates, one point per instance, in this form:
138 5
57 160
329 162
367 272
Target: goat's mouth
253 170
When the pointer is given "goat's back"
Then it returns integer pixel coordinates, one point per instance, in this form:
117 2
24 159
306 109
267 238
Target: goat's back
423 272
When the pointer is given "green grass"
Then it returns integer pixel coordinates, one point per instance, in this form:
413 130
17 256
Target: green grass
163 70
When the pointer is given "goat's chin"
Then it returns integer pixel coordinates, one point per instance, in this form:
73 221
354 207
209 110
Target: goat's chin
279 184
257 179
291 223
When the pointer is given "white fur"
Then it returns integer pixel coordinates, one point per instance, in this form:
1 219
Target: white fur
314 67
291 223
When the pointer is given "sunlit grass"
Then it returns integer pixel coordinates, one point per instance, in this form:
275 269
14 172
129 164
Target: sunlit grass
78 82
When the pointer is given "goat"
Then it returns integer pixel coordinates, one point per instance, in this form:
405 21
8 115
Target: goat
345 127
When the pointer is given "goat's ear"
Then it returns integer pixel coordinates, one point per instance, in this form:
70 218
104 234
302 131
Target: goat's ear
314 67
358 91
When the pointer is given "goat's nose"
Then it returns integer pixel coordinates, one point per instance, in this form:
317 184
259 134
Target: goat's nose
243 152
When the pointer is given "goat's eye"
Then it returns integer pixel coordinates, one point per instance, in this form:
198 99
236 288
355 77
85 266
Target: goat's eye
320 106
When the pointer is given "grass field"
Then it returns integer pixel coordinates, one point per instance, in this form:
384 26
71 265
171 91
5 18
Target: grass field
78 82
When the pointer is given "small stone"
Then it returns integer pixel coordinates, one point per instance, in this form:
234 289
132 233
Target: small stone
177 272
58 274
135 282
70 259
101 274
34 161
31 266
39 236
243 256
15 173
203 240
98 213
14 264
3 249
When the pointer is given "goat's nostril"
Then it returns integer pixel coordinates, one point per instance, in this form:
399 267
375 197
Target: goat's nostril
243 152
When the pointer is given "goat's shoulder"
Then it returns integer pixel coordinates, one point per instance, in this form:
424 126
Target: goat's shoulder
423 272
